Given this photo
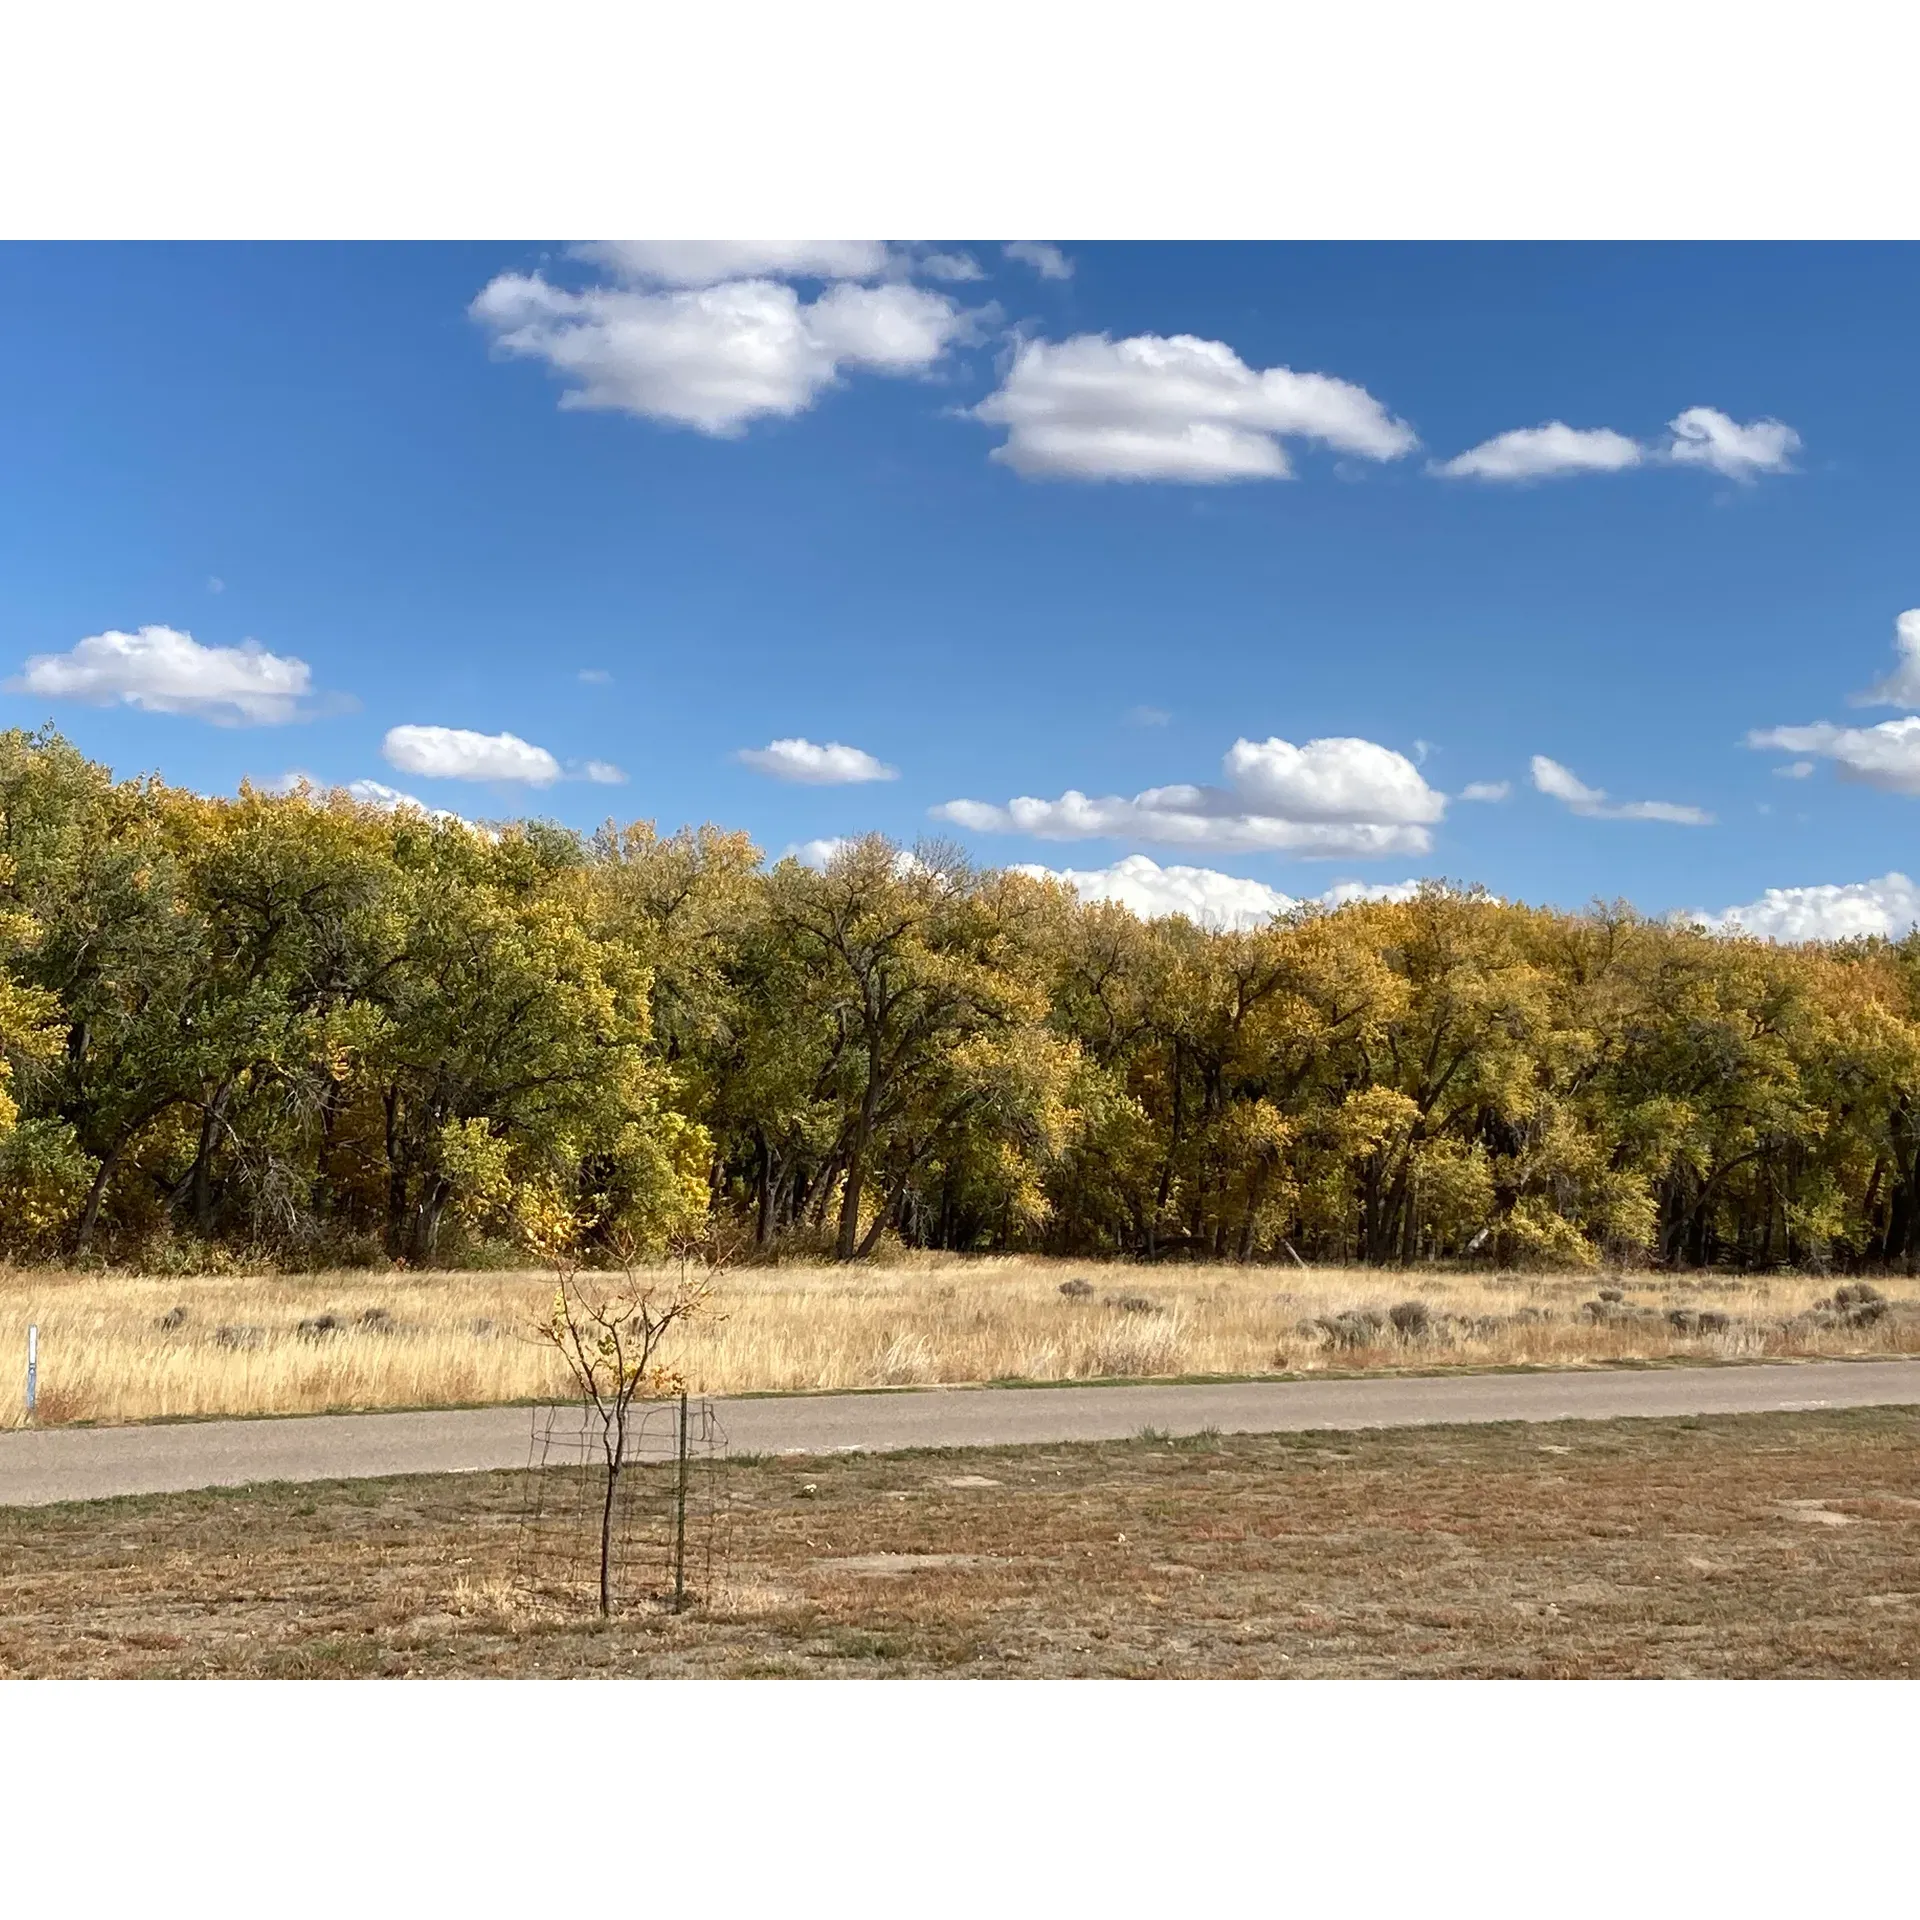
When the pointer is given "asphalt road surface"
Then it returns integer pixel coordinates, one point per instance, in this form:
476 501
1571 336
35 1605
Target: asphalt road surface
92 1463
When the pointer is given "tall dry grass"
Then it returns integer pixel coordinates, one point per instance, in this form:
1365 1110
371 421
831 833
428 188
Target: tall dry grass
113 1349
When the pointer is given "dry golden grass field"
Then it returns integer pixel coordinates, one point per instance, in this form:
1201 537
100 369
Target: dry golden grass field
116 1347
1768 1544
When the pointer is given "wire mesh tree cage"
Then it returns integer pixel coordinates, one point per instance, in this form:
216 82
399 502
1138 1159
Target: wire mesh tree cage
671 1538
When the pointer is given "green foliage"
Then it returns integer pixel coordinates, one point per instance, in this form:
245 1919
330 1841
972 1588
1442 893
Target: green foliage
44 1178
294 1022
298 1028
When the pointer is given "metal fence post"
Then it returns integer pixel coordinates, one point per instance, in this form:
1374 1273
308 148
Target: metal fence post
33 1368
680 1519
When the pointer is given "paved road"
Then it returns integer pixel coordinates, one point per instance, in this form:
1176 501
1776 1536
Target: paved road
37 1468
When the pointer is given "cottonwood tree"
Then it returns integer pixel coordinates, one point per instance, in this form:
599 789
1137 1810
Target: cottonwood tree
506 1022
117 945
308 1028
38 1166
294 914
915 965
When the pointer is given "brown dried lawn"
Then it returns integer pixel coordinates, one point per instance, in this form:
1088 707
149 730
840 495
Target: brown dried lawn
114 1348
1774 1544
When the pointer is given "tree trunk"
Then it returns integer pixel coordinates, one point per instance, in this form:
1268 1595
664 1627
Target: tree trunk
423 1223
320 1193
888 1208
606 1534
200 1182
822 1197
97 1193
850 1198
763 1213
843 1246
90 1213
1175 1120
396 1179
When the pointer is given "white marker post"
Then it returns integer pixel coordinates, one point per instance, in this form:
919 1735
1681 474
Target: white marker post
33 1368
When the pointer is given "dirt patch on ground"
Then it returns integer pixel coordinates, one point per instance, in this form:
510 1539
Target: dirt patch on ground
1627 1548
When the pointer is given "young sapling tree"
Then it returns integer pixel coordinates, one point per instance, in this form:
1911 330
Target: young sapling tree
609 1326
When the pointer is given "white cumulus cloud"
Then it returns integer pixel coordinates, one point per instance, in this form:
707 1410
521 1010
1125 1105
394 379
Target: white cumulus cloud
372 793
1901 687
1889 906
801 760
1042 256
817 854
1205 896
821 854
704 263
1537 453
376 793
1488 790
715 356
1591 803
1143 886
1179 408
1339 780
1348 892
1328 799
1706 437
603 773
1886 756
161 670
453 753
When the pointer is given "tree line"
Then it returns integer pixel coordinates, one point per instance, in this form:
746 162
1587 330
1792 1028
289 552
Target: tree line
306 1029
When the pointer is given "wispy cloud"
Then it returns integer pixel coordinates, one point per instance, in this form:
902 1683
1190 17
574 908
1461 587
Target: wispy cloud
1698 437
1042 256
705 263
1706 437
950 266
1886 756
1539 453
1591 803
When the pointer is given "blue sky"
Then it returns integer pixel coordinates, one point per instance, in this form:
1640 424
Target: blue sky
783 520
